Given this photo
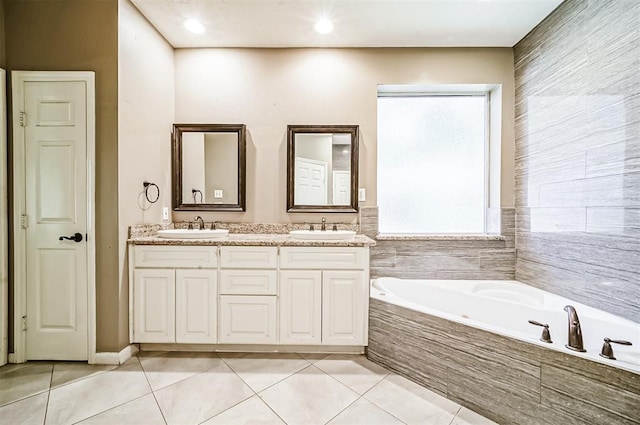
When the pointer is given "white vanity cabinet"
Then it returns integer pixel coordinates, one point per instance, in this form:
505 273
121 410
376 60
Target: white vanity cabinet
174 294
248 294
287 296
323 295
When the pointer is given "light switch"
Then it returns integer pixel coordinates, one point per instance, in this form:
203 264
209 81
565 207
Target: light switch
165 213
362 196
217 193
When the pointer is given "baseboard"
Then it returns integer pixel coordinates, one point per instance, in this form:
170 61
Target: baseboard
107 358
255 348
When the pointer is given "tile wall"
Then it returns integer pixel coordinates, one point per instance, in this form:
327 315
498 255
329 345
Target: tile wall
444 257
578 154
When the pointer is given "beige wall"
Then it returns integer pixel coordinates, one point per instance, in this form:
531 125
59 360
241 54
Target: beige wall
145 100
266 89
81 35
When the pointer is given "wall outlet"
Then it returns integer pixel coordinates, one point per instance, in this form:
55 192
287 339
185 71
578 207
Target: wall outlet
165 213
217 193
362 195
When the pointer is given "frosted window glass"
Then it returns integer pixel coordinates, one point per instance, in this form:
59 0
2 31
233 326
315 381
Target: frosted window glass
431 164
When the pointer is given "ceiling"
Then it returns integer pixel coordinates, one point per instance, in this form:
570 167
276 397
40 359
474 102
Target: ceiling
358 23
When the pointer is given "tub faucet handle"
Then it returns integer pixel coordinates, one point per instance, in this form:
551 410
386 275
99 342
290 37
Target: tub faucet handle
607 350
546 335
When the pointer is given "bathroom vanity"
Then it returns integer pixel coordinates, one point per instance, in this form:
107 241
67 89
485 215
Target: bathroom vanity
255 291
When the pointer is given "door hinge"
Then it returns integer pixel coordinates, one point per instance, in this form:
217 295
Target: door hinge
24 221
24 323
23 119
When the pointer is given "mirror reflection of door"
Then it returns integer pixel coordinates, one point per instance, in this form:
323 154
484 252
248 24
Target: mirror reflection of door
311 182
341 187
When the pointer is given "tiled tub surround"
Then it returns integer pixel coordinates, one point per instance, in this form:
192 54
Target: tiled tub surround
577 148
505 307
489 256
505 379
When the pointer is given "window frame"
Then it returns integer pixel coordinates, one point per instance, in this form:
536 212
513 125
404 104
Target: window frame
450 91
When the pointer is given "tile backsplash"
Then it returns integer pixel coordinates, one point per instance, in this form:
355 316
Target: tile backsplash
445 257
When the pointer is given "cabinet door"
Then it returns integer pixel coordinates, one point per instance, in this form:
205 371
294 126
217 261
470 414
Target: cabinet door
300 307
196 306
246 319
343 302
154 305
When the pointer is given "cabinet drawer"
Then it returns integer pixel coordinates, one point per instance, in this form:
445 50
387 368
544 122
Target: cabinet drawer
249 257
322 258
247 319
161 256
249 282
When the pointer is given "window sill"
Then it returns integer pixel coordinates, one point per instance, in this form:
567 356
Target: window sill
439 237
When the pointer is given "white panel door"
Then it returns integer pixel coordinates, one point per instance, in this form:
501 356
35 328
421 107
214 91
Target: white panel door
196 306
343 302
310 182
341 188
56 206
154 305
300 307
246 319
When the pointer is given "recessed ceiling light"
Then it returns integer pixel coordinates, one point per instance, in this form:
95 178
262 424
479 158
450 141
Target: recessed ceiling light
323 26
194 26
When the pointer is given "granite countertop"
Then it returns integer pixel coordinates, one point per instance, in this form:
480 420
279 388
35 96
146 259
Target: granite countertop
252 239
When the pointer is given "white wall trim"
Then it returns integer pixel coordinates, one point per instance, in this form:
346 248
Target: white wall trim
115 358
18 78
4 229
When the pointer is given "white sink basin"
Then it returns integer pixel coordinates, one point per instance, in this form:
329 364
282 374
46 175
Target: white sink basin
319 235
193 234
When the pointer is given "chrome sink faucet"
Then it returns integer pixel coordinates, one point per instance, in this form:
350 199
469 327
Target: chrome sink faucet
575 332
323 226
200 221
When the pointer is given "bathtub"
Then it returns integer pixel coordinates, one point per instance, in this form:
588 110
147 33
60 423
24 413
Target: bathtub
470 341
505 307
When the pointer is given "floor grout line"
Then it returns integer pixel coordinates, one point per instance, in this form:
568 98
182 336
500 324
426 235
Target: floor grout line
152 392
456 415
242 380
46 408
376 405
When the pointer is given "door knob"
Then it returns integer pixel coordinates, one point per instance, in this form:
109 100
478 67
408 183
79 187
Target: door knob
77 237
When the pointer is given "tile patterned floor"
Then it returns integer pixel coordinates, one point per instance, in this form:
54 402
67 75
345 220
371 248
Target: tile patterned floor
222 389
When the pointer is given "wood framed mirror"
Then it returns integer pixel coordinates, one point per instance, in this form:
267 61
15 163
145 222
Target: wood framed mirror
322 168
209 167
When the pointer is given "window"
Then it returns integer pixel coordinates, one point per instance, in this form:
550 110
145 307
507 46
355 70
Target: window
432 163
